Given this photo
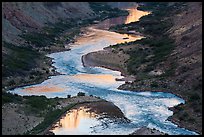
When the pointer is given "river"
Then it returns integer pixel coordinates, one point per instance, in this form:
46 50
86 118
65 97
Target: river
142 108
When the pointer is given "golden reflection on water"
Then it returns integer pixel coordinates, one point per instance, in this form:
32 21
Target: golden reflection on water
98 31
46 88
73 119
96 78
93 35
135 15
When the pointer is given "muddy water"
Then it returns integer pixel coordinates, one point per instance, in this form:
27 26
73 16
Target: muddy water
141 108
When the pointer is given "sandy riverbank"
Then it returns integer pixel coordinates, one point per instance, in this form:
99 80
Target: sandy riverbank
108 59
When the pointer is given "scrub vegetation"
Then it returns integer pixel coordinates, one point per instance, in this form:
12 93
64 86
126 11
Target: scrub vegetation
156 62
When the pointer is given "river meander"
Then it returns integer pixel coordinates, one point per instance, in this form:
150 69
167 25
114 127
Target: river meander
142 108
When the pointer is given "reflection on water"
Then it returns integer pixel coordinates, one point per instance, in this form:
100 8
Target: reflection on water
95 35
134 15
143 108
46 88
96 78
78 120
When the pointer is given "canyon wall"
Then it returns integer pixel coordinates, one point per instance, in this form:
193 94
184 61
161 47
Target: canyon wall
20 17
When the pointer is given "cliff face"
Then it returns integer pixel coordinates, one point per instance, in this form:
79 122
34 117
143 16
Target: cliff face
18 17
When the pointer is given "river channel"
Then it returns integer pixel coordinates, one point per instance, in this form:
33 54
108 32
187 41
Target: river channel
141 108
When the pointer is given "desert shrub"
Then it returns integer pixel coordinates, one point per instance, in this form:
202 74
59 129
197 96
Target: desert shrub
37 102
68 96
194 97
103 10
185 115
9 97
22 59
191 119
37 39
80 94
154 84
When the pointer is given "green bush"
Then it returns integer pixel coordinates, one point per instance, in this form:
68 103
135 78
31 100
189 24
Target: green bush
37 102
9 97
38 39
194 97
154 84
103 10
68 96
185 115
80 94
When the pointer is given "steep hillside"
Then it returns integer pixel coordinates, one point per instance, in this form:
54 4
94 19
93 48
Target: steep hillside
121 4
32 29
177 68
169 59
187 33
180 69
19 17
